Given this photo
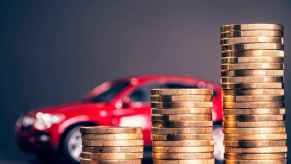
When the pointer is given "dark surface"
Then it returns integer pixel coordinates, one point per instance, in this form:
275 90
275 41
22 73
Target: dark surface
55 51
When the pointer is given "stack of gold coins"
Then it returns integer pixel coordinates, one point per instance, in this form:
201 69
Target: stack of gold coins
252 80
111 145
182 126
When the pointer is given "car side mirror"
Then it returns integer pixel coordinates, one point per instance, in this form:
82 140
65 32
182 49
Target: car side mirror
126 102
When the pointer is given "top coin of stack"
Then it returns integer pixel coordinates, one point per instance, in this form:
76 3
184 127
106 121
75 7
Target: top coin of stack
111 145
182 126
252 79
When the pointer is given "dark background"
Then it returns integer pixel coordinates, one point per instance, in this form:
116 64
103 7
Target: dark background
54 51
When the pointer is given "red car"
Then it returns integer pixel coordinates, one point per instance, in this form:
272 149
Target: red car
123 102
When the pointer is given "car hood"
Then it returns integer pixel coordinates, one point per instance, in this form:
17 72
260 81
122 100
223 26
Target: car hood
75 107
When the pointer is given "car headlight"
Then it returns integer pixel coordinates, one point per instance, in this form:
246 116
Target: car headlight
45 120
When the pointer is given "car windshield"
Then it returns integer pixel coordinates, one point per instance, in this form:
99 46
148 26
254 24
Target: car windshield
111 92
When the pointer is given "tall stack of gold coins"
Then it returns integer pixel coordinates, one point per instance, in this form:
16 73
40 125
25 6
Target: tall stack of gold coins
111 145
252 79
182 126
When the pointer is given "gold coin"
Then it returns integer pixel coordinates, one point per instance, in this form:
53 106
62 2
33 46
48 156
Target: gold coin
263 161
250 118
178 117
253 33
184 155
205 145
122 136
109 130
256 111
252 66
196 161
255 124
276 104
112 143
257 39
252 46
251 79
279 92
131 149
190 91
262 150
238 156
259 26
187 149
254 53
199 130
278 136
181 111
252 98
252 86
113 156
178 137
253 73
254 130
175 98
242 60
181 124
257 143
91 161
186 104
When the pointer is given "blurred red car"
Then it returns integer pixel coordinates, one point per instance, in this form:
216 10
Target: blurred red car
124 102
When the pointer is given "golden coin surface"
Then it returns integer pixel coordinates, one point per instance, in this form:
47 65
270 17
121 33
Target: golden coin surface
190 91
254 53
204 144
256 111
241 60
187 149
251 79
257 26
238 156
117 149
181 111
252 66
184 104
252 98
258 39
255 124
181 124
250 118
122 136
112 143
251 33
185 156
178 117
252 86
194 161
199 130
279 92
253 73
262 150
278 136
178 137
255 143
91 161
109 130
251 46
263 161
174 98
109 156
254 130
274 104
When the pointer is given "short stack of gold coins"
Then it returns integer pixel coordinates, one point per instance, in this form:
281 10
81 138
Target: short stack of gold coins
182 126
252 79
111 145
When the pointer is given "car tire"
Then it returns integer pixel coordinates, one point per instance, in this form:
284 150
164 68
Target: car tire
72 144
